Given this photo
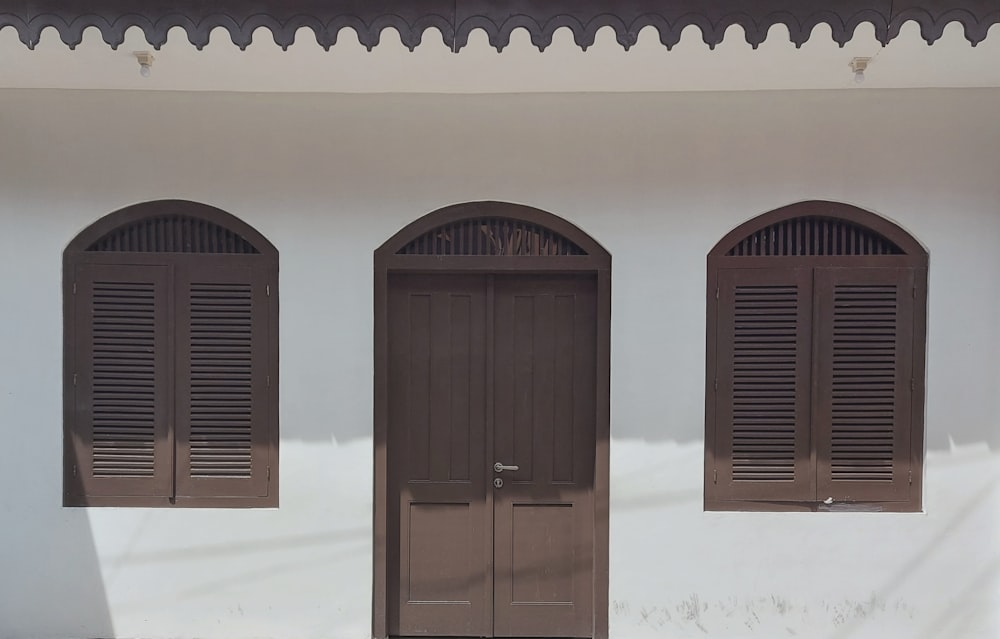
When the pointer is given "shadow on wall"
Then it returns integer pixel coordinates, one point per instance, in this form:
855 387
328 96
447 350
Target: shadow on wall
952 619
52 584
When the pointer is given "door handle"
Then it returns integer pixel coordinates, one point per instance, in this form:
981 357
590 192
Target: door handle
498 467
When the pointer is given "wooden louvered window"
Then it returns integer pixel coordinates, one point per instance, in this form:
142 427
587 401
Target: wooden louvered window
171 383
815 363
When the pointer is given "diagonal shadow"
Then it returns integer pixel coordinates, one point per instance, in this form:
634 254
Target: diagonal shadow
924 553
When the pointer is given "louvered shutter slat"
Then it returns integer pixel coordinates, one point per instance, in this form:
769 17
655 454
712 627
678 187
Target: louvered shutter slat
863 411
762 399
222 394
120 419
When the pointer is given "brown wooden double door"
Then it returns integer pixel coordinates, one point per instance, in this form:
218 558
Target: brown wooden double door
486 369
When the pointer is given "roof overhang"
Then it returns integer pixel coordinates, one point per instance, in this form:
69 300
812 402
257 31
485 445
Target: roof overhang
456 19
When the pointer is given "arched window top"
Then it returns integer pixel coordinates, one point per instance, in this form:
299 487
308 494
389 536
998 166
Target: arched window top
171 226
817 228
491 229
173 234
814 235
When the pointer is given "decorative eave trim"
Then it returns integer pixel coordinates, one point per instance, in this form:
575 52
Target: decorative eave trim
456 19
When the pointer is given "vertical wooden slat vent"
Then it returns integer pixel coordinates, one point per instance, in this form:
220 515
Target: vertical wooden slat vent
173 234
221 375
124 379
864 383
765 359
813 235
491 236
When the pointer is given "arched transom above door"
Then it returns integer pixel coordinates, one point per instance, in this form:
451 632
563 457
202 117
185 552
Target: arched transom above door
522 236
491 236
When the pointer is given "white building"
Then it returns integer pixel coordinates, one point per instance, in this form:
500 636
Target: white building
652 155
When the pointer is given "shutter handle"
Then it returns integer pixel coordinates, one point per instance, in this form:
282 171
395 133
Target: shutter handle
498 467
828 501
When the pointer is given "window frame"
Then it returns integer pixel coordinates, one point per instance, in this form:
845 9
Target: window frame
262 268
913 256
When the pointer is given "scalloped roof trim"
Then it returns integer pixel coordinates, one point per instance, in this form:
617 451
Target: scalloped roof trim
976 27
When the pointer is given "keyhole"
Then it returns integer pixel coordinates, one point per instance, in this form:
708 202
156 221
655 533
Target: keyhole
498 482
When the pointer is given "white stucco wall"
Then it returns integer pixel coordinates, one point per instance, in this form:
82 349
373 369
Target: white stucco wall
656 178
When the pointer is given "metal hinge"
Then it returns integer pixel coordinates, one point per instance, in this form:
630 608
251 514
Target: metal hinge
269 381
74 470
716 293
269 473
914 290
74 288
267 290
913 384
911 476
74 379
716 383
715 476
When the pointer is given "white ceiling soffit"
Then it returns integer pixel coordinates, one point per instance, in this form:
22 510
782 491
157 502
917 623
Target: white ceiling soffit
906 62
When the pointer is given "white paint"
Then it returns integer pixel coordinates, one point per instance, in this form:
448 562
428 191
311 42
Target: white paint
907 62
657 179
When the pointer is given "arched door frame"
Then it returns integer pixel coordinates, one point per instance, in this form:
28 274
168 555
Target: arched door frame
595 260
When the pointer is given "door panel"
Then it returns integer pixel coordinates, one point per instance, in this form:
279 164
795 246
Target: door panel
545 384
431 536
485 369
439 551
541 535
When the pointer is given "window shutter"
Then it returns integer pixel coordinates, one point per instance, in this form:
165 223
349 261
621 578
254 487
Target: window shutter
864 373
119 440
762 438
224 442
860 287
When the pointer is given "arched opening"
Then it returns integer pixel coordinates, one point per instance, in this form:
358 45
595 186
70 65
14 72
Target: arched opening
816 330
817 228
492 408
170 342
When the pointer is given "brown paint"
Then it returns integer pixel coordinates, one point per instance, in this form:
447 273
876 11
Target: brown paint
468 317
776 467
872 317
202 429
858 337
437 455
545 414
